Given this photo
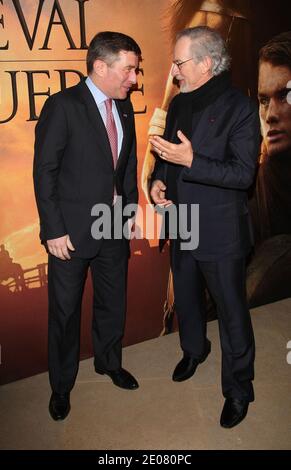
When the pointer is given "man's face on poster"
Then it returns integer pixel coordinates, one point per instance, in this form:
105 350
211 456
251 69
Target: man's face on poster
275 111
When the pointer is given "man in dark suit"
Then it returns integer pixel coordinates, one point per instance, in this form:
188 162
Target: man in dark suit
85 154
208 156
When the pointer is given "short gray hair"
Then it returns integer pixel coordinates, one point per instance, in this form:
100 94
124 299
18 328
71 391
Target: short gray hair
206 41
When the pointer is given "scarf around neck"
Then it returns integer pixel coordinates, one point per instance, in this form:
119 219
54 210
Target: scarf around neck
185 105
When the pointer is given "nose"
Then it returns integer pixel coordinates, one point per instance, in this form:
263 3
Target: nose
133 77
174 69
272 112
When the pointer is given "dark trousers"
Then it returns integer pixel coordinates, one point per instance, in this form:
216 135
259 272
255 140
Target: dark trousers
225 280
66 281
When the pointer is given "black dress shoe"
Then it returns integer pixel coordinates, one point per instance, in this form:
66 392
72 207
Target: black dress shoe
234 411
121 378
188 365
59 406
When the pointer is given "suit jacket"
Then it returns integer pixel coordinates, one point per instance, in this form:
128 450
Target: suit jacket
226 148
73 166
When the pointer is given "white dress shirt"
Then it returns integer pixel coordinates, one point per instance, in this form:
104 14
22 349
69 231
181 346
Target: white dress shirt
100 98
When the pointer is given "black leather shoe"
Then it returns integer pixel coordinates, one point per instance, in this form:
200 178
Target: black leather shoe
234 411
59 406
121 378
188 365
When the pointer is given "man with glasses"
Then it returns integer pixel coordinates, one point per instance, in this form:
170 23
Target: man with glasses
208 156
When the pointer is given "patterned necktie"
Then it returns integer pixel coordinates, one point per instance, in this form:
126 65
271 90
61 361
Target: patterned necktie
111 131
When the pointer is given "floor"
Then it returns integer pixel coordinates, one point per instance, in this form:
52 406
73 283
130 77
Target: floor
161 414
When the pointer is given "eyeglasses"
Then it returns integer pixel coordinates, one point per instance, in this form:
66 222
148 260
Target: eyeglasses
180 63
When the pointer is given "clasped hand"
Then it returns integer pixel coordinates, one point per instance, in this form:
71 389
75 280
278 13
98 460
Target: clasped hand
60 247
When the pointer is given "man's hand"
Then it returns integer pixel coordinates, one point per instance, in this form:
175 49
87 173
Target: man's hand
59 247
181 154
158 194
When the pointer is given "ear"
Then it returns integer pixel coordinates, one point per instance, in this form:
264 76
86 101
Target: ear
206 65
100 68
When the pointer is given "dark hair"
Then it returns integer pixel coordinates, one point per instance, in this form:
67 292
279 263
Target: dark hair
107 44
277 51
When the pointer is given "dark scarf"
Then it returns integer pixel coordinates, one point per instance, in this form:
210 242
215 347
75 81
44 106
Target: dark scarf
185 105
186 110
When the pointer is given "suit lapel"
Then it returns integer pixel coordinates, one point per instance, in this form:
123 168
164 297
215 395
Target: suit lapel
123 119
206 125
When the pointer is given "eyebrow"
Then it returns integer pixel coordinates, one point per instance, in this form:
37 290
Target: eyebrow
277 92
